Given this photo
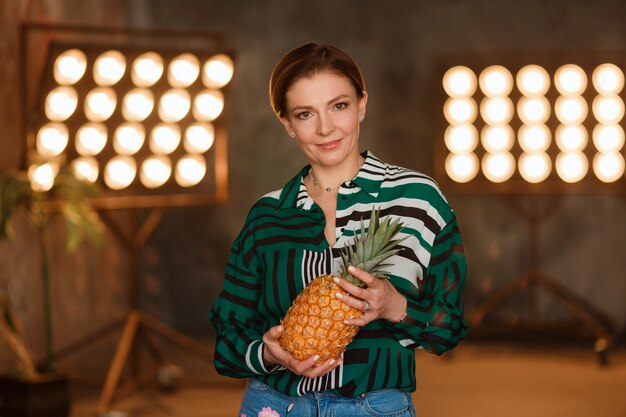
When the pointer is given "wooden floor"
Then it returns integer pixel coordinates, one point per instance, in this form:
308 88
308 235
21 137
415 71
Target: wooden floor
478 380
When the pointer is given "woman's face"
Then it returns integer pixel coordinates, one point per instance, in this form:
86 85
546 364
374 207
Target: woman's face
323 110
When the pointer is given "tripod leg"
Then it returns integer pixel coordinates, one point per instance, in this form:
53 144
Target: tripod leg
584 317
177 337
115 371
576 310
498 298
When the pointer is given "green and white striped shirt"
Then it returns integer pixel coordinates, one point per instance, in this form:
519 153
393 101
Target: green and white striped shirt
282 248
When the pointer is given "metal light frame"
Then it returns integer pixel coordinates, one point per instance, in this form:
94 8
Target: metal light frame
516 184
40 41
545 196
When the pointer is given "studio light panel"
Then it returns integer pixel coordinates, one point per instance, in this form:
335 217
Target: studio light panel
534 123
130 120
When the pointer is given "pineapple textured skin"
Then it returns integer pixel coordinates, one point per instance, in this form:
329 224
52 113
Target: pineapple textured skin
314 324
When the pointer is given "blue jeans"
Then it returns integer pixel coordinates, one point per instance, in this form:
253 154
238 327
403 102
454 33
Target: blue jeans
382 403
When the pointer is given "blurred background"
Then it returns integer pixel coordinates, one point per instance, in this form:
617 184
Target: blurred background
551 349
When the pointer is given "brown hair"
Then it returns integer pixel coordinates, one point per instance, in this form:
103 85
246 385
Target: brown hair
305 61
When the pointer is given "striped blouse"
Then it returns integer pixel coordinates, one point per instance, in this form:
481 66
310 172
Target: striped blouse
282 248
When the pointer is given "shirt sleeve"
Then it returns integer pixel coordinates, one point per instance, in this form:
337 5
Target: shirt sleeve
435 319
239 338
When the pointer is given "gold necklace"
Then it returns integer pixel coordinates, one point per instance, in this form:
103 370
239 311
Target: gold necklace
329 189
315 183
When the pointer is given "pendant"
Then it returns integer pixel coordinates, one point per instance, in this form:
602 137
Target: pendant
328 190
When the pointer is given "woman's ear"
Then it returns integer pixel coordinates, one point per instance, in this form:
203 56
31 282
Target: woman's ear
287 125
363 103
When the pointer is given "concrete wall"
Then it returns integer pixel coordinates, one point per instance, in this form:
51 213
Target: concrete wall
397 44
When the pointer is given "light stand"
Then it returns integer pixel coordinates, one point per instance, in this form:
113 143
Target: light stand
535 129
152 134
535 279
138 324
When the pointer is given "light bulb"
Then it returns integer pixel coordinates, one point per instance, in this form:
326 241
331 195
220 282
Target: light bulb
100 104
571 138
608 79
42 176
534 167
164 138
608 138
109 68
147 69
496 110
497 138
120 172
61 103
570 80
70 66
199 137
462 168
608 167
217 71
190 170
533 110
608 109
495 81
137 104
86 167
460 110
128 138
52 139
534 138
533 80
498 167
571 110
208 105
183 70
91 139
155 171
174 105
571 166
459 81
461 138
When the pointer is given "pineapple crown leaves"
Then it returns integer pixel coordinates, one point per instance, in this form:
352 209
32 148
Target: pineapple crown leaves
371 247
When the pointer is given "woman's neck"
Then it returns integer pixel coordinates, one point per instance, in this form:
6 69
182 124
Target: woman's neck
329 178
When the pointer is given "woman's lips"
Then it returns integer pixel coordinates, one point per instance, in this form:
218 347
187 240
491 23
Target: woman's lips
329 145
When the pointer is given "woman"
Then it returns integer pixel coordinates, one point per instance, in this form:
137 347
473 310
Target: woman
294 234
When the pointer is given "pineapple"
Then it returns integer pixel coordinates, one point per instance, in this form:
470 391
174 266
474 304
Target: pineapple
314 324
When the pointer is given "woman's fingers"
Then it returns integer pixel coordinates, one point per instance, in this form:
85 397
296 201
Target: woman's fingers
380 299
274 354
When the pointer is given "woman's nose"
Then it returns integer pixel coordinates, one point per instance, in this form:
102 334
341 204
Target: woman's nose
324 125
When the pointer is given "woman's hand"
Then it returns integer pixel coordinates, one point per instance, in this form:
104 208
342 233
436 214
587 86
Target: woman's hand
380 300
273 354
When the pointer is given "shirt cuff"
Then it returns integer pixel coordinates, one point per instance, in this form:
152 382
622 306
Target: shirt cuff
254 359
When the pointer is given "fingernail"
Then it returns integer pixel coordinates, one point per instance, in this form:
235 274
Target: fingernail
316 357
331 362
280 328
346 322
336 280
338 295
351 268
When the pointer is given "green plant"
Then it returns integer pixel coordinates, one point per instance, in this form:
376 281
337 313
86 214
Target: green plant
68 197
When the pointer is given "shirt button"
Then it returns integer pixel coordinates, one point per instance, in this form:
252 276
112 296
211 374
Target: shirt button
343 197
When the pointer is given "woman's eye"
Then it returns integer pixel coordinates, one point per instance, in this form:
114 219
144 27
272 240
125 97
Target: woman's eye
304 115
341 106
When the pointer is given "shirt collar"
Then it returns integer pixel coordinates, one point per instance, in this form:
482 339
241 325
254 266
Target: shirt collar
369 178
